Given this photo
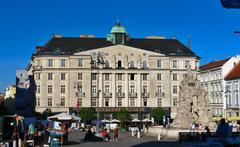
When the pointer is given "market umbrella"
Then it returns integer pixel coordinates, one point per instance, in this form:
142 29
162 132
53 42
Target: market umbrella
136 120
115 121
106 121
146 120
63 117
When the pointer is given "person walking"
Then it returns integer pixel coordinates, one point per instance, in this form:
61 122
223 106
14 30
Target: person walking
116 131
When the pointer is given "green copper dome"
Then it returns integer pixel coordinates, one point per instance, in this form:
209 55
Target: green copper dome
118 28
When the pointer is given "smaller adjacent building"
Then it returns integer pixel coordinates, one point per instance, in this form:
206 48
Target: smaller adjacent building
212 80
232 91
25 94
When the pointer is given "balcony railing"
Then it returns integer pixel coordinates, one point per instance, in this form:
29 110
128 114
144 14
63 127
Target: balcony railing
108 95
37 67
145 95
94 95
159 94
80 94
132 95
120 94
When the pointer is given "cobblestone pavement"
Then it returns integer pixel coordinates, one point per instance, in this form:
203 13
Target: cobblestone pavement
125 140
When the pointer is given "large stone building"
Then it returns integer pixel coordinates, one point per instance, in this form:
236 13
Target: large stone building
212 79
110 73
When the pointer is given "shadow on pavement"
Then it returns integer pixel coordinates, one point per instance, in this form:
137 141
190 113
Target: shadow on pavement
158 143
73 143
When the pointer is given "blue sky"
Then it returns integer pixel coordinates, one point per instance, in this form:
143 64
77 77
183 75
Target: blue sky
25 24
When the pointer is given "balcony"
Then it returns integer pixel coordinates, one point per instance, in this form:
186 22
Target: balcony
145 95
107 95
133 95
120 95
96 95
159 94
80 94
37 67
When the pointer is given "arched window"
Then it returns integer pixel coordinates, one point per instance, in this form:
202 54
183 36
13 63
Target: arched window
106 63
119 64
131 64
144 64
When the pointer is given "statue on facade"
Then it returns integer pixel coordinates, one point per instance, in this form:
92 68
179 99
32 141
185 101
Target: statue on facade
193 105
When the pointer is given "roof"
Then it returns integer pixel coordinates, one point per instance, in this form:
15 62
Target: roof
234 73
71 45
213 64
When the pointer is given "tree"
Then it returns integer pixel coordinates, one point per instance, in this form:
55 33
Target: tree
123 115
157 113
86 114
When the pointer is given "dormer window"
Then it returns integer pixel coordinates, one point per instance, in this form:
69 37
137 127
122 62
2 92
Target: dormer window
131 64
119 64
144 64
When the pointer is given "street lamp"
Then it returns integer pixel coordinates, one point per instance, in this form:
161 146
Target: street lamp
97 58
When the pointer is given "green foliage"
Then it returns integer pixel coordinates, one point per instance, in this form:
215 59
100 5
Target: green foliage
157 113
123 115
86 114
46 113
9 104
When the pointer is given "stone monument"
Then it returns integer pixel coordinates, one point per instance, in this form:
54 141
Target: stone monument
193 105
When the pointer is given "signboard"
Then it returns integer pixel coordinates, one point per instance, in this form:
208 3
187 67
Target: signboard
114 109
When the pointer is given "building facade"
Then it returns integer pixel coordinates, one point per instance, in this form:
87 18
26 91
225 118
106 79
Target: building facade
212 80
233 91
110 73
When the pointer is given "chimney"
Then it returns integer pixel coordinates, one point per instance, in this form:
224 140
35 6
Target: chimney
57 36
39 48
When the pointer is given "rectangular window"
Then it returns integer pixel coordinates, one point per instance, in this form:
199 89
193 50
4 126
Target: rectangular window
63 76
107 102
175 91
119 77
119 102
159 76
50 76
38 88
132 89
63 63
94 88
80 62
63 88
107 77
106 64
132 102
80 102
106 88
62 103
38 76
131 76
159 63
159 102
186 63
79 76
94 102
174 64
159 88
94 76
38 102
174 77
119 88
144 77
174 101
145 89
50 62
49 102
50 89
145 102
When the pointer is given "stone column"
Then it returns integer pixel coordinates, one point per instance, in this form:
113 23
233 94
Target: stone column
113 91
138 90
126 91
100 87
